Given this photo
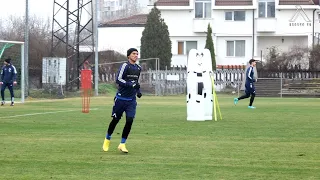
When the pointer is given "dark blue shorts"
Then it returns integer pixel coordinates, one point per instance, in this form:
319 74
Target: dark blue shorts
250 89
9 85
121 106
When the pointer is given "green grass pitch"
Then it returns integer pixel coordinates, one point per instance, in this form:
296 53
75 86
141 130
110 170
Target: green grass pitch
278 140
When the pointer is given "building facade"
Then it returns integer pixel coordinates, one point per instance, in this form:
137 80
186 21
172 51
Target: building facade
116 9
241 29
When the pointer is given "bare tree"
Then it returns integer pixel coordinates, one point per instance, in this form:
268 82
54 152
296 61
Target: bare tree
39 42
314 58
297 56
40 45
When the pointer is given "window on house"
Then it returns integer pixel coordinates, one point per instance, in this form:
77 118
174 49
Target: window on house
235 16
236 48
239 15
191 45
228 16
185 46
267 8
180 47
106 14
203 9
106 3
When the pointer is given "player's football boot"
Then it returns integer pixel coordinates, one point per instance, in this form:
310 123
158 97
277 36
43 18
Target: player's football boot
122 148
2 103
106 144
251 107
235 101
12 104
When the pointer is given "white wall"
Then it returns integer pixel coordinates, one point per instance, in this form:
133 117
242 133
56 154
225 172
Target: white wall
219 27
179 22
283 18
222 27
119 38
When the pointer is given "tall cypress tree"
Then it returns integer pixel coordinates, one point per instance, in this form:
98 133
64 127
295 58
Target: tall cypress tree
155 40
209 45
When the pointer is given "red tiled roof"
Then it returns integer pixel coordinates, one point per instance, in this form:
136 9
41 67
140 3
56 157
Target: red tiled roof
231 66
233 3
135 20
172 3
298 2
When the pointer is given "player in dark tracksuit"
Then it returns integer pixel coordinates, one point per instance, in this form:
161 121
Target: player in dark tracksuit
249 86
125 99
8 79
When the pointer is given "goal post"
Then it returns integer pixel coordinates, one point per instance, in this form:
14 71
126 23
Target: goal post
16 56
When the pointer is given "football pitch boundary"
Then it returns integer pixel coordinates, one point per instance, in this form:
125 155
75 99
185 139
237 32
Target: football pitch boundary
42 113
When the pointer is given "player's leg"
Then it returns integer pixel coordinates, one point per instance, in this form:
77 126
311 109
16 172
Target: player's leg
246 95
253 95
130 114
117 111
3 87
10 87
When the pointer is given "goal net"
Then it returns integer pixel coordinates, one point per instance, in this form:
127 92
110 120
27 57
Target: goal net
15 51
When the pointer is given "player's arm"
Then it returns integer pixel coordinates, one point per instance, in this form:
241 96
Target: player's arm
120 80
139 94
121 72
14 77
249 74
2 75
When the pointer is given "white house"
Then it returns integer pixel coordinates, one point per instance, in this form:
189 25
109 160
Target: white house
122 34
112 9
242 29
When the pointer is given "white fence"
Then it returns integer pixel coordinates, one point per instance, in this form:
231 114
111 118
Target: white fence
172 82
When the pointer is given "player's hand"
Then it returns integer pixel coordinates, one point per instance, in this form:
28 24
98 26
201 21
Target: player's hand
1 82
139 94
136 85
15 82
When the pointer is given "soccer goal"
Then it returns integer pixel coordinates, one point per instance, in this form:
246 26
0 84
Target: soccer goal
15 51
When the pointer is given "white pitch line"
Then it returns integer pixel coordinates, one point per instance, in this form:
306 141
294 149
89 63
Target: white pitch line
33 114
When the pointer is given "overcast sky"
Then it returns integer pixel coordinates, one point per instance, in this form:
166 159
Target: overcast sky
41 8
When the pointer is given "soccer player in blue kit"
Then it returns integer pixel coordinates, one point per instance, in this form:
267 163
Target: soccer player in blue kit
249 86
125 99
8 79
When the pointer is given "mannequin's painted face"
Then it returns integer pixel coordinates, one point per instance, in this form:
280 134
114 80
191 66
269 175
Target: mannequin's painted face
199 59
